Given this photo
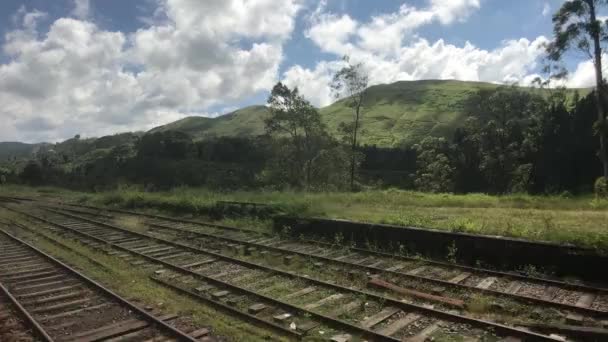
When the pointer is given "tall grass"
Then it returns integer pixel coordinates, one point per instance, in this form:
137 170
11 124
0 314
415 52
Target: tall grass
581 220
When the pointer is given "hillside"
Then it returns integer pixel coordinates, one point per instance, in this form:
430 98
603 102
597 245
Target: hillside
247 121
394 114
16 149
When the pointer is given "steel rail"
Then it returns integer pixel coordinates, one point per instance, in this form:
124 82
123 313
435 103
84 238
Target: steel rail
505 330
149 317
336 322
28 319
523 298
567 285
374 269
563 284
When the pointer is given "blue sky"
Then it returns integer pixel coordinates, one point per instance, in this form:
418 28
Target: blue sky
104 66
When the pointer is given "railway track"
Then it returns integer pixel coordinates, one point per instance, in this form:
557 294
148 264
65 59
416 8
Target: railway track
297 302
13 328
580 298
58 303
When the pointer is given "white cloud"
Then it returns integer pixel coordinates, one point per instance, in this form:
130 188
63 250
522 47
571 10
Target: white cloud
313 84
391 51
82 9
584 74
449 11
78 78
193 56
546 9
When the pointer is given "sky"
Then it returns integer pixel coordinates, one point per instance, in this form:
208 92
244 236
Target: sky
98 67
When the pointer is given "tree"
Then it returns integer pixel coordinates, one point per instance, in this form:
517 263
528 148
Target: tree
32 174
496 129
293 117
351 81
435 171
169 144
576 25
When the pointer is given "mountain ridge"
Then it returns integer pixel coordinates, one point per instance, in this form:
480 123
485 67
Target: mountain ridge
396 114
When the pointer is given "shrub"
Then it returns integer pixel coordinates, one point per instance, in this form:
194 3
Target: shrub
601 187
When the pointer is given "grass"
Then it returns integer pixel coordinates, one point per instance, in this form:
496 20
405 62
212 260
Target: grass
130 222
581 220
393 114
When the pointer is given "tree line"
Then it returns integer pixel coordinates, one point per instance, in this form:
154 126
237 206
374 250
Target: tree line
511 140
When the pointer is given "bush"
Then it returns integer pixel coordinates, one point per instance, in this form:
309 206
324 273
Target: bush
601 187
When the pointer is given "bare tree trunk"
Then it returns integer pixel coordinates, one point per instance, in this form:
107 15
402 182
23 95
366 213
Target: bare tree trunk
354 147
599 80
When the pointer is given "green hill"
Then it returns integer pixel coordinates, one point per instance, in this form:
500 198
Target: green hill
243 122
16 150
394 114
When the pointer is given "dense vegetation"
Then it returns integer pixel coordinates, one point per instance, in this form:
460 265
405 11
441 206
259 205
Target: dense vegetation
394 115
510 140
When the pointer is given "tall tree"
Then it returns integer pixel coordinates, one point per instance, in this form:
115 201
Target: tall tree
292 116
576 26
351 82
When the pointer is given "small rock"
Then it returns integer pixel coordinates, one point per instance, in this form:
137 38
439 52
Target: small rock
510 339
282 317
497 307
256 308
558 337
220 294
293 326
341 338
159 272
203 288
574 319
307 326
437 290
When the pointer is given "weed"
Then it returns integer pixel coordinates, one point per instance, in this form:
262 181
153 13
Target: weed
579 220
338 239
452 252
479 304
130 222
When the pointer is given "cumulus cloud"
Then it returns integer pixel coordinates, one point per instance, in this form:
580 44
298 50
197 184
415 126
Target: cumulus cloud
79 78
390 50
193 57
546 9
82 9
449 11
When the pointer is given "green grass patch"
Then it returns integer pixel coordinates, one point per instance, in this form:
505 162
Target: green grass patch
581 220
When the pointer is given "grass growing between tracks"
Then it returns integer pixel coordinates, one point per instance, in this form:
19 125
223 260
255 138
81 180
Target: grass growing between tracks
580 220
134 283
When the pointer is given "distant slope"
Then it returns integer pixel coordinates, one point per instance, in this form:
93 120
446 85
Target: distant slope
393 114
248 121
16 149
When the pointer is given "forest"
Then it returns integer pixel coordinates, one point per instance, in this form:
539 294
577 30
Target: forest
513 140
